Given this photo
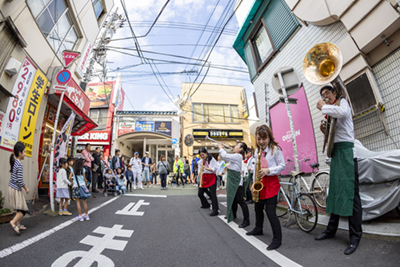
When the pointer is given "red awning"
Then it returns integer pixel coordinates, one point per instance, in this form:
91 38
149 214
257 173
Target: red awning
87 126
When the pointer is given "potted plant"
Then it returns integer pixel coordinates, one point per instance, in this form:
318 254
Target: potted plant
6 215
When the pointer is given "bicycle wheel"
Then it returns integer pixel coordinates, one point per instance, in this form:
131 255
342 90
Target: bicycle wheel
282 207
308 217
319 187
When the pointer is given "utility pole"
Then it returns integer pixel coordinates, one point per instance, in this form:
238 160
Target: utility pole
99 52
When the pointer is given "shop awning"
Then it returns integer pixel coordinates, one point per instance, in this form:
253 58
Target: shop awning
83 123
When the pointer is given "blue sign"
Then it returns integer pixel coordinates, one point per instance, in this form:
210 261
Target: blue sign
163 127
63 76
144 126
174 141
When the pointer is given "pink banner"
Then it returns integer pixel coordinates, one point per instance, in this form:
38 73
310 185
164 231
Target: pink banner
303 128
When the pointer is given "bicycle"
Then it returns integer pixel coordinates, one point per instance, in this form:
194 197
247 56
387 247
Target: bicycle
319 186
302 205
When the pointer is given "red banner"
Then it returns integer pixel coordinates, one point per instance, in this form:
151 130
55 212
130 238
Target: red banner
76 96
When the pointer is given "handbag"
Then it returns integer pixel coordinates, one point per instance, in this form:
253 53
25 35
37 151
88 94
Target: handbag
95 167
83 190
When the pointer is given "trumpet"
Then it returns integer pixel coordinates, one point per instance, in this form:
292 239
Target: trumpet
214 141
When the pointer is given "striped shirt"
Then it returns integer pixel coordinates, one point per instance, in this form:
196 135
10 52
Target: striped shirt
17 181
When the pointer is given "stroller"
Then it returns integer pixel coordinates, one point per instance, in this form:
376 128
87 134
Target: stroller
110 184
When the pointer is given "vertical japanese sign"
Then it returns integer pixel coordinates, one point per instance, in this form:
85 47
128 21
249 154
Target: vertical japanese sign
12 120
2 114
31 110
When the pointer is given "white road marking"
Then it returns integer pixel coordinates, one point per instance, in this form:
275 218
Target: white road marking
132 209
10 250
221 195
87 258
261 246
142 195
224 204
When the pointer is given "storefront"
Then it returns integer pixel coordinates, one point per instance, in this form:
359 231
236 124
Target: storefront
101 139
74 100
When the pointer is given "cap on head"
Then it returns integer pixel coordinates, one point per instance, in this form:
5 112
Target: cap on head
147 152
136 153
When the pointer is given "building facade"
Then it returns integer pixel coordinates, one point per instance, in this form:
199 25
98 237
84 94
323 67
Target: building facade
277 34
33 36
218 111
141 131
104 98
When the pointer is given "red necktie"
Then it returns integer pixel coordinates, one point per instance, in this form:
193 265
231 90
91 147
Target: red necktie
264 162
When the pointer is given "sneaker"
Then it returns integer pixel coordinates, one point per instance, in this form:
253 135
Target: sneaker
86 217
66 212
60 212
80 218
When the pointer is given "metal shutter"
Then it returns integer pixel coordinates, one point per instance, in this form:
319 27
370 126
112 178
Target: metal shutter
281 23
250 61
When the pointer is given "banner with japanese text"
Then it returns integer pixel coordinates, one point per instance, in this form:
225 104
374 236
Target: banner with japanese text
60 149
16 105
31 111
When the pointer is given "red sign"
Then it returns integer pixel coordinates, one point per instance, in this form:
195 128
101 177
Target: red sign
76 96
69 57
96 136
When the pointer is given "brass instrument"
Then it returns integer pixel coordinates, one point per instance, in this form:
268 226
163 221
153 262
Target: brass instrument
214 141
321 65
201 174
257 185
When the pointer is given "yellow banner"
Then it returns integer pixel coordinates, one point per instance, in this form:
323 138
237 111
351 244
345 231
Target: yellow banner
31 110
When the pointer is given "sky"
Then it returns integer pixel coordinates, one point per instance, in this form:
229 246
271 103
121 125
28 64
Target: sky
177 31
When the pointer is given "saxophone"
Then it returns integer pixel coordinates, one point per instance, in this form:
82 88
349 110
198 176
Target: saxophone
257 185
201 174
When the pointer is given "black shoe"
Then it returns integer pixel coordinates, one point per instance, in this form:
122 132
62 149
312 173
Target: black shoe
205 207
274 245
351 248
255 232
95 191
323 237
249 202
244 224
214 213
234 217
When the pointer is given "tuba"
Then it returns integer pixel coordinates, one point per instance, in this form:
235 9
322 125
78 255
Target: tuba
321 65
257 185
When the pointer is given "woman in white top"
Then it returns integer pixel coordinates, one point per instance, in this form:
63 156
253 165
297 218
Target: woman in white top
136 164
209 167
234 186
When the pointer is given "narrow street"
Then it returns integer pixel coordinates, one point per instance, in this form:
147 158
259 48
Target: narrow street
146 228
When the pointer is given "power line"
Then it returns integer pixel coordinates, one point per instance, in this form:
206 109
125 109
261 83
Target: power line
152 25
177 62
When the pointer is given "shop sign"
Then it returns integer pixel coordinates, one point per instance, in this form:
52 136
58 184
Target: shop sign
75 94
144 126
126 127
2 114
163 127
218 133
81 69
12 120
31 111
95 136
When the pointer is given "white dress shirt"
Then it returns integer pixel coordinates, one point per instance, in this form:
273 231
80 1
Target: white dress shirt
251 164
212 165
344 126
235 160
276 162
136 165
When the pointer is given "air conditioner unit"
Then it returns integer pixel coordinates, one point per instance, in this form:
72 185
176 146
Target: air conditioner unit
12 67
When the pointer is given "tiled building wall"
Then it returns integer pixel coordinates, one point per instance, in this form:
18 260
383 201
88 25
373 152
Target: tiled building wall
292 54
368 129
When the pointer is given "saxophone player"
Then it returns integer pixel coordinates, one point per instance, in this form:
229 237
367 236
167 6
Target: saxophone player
272 164
234 186
207 168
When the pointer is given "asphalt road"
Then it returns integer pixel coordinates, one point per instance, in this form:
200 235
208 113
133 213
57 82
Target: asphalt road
135 230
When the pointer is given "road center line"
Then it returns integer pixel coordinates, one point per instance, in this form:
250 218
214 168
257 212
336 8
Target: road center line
10 250
262 247
143 195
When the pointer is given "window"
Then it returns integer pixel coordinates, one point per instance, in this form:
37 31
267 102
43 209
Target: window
262 46
98 8
103 116
215 113
55 21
